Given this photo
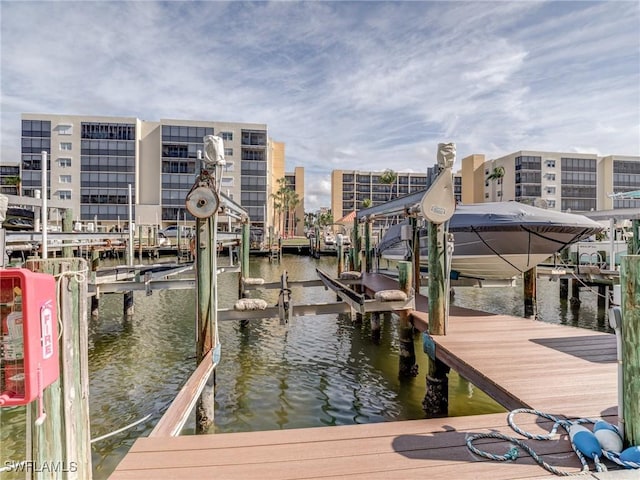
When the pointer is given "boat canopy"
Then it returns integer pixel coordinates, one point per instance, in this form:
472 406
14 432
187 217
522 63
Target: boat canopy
515 216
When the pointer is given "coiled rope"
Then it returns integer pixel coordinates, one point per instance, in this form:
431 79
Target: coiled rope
512 453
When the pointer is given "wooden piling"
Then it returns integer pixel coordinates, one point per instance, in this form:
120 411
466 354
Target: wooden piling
575 293
355 247
95 300
564 283
67 227
564 288
205 260
368 257
340 253
127 304
602 296
634 245
529 287
436 291
415 245
65 435
375 327
246 246
407 354
436 400
630 287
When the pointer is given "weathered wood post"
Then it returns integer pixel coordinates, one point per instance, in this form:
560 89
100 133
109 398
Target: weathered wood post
630 286
602 296
407 354
355 247
564 282
317 238
437 207
95 300
436 400
67 227
368 258
415 244
340 253
246 246
375 327
575 294
529 287
127 304
203 203
634 245
65 435
206 267
437 295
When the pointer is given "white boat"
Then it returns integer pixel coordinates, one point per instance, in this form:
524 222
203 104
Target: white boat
498 240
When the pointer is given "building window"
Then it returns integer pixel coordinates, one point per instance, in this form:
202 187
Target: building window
65 129
228 152
486 195
551 190
227 182
550 164
551 176
64 194
229 166
65 179
226 135
65 146
64 162
551 203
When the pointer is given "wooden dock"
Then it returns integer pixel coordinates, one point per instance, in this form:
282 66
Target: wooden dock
560 370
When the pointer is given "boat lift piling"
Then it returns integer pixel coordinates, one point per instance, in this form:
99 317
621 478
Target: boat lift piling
95 299
529 289
630 283
407 356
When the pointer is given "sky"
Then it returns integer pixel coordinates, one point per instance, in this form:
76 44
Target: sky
345 85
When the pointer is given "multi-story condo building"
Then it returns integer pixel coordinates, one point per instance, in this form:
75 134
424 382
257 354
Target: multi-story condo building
576 182
350 188
8 176
93 161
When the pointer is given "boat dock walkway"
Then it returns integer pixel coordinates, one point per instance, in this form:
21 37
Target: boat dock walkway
559 370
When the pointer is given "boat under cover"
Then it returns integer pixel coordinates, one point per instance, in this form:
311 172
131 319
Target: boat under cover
498 240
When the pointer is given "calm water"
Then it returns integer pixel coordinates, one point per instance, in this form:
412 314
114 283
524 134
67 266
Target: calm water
316 371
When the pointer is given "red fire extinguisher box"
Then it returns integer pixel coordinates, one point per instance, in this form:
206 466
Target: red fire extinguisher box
29 341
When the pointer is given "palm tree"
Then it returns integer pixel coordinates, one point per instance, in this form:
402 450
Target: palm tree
366 203
16 181
389 177
497 175
293 200
279 203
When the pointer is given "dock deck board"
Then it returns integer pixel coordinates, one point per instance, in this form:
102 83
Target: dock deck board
557 369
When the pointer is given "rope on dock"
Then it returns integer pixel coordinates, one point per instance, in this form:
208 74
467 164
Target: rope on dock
115 432
512 453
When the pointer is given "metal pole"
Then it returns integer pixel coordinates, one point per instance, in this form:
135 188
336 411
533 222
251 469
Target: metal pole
612 244
130 246
43 211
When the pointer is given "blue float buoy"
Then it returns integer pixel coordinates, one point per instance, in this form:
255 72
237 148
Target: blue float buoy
631 454
603 425
585 441
609 440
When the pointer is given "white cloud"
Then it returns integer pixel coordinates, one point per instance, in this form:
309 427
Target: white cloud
354 85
